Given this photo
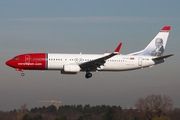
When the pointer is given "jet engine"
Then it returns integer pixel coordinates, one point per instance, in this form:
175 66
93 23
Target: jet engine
71 69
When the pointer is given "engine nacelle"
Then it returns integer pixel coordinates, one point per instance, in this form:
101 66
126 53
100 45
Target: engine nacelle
71 69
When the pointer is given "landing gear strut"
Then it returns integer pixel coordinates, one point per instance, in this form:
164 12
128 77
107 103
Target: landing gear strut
88 75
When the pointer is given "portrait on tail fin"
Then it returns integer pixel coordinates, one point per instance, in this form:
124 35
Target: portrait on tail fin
157 45
158 51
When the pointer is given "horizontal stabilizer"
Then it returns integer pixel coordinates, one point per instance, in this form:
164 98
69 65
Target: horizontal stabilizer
163 57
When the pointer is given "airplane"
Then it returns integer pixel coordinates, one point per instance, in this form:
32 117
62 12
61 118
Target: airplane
151 55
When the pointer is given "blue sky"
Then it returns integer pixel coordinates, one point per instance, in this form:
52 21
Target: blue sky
87 27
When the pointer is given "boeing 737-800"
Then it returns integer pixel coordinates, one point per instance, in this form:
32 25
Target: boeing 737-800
74 63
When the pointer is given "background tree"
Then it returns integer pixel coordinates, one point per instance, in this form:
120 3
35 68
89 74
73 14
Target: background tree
21 112
110 114
154 105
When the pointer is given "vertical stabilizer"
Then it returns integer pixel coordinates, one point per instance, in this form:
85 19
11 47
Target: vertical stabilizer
157 46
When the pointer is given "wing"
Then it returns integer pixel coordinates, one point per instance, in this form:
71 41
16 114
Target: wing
96 63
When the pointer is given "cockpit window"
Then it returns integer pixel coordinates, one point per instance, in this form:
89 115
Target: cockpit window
15 58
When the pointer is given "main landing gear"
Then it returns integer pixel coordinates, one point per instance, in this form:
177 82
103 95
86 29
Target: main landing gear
88 74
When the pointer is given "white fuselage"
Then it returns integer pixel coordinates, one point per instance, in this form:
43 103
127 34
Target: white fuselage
116 63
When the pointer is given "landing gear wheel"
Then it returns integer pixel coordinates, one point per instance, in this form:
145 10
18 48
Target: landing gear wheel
22 74
88 75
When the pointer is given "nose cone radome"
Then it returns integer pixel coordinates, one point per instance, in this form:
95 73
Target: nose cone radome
9 63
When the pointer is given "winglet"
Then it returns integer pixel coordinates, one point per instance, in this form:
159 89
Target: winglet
118 48
166 28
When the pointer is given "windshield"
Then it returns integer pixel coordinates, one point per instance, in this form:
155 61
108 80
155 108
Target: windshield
15 58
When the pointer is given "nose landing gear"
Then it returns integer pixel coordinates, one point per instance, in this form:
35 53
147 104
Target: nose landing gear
22 74
20 70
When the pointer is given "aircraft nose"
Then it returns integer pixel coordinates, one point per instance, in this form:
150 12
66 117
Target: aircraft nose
8 62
